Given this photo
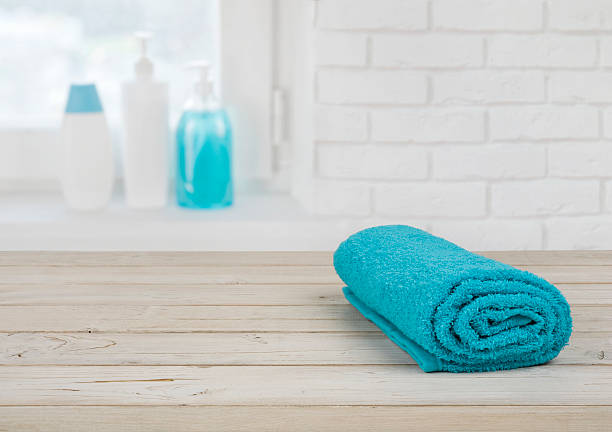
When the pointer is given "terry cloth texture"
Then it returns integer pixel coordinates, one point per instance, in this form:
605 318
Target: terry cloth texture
450 309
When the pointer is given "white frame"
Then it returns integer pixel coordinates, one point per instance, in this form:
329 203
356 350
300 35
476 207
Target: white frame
295 72
246 32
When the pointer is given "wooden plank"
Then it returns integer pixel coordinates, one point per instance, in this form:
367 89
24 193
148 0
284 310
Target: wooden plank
301 385
177 259
244 294
174 294
583 294
572 274
114 275
305 419
272 331
285 274
121 319
555 258
241 349
199 259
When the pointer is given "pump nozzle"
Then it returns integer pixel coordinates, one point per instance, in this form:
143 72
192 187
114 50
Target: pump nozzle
203 84
143 67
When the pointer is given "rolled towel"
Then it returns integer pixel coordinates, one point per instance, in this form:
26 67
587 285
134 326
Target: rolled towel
450 309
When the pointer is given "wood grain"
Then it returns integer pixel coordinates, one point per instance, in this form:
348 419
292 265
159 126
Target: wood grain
158 341
305 418
121 319
222 295
164 274
242 349
301 385
242 274
176 259
173 294
199 259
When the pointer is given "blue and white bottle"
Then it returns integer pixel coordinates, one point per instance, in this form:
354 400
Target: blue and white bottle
204 149
87 161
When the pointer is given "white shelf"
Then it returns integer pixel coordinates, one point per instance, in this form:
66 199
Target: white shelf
41 221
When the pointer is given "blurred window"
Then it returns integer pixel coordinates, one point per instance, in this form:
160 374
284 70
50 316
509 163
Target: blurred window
47 44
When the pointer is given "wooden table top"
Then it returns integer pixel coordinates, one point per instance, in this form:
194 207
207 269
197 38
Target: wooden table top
184 341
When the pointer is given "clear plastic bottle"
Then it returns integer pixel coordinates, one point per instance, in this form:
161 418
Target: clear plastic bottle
204 149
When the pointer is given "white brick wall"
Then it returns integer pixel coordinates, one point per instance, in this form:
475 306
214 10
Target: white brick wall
420 51
431 199
476 15
372 15
488 121
580 15
372 162
371 87
584 160
479 87
545 197
489 162
543 122
340 49
542 51
427 125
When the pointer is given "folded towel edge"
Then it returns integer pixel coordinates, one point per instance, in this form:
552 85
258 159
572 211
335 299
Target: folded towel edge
426 361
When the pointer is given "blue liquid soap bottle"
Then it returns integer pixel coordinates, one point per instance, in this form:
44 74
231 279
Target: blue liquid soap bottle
204 148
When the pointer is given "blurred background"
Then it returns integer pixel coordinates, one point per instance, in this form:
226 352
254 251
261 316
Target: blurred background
487 122
47 45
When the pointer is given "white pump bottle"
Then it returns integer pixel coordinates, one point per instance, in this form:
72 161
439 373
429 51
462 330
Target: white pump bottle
145 138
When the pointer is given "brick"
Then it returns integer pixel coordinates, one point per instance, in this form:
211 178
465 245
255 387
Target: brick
543 122
340 49
341 198
498 15
580 160
427 125
368 14
431 199
371 87
372 162
545 197
492 234
586 87
340 124
593 232
488 86
422 51
503 161
546 51
579 15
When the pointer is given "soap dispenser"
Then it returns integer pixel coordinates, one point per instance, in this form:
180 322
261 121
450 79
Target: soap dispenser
145 134
204 148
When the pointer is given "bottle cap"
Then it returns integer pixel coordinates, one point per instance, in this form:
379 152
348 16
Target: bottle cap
143 67
83 98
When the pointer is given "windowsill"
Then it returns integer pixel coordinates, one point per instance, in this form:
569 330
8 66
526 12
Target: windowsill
41 221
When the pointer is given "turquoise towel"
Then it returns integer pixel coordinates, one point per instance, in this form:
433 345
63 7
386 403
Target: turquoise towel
450 309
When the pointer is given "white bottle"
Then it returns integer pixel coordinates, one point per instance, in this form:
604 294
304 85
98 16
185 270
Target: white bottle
87 161
145 138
